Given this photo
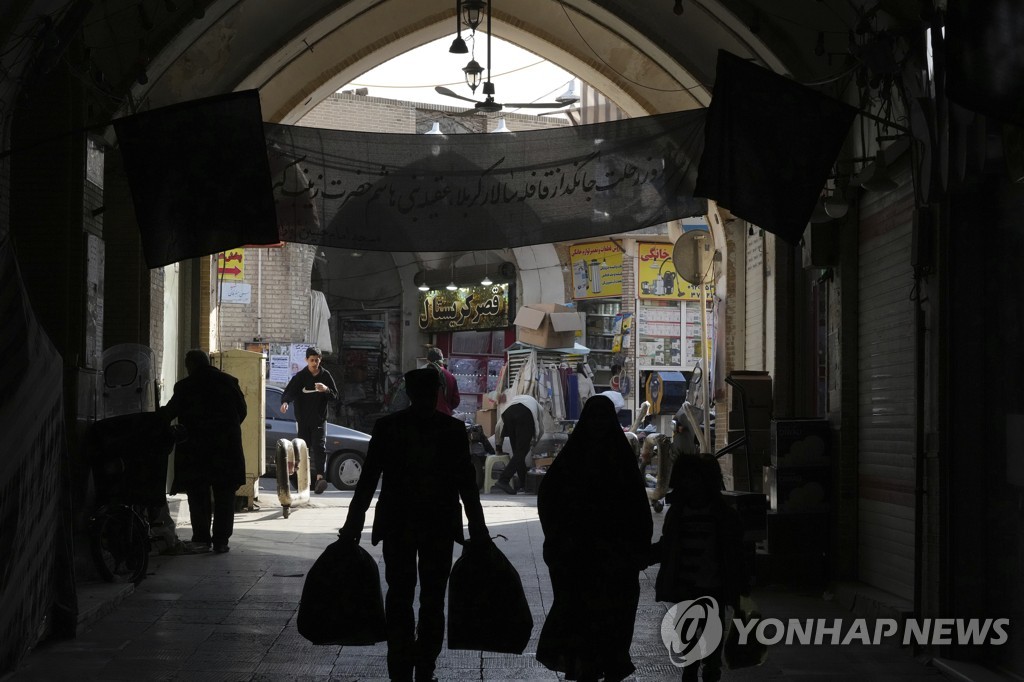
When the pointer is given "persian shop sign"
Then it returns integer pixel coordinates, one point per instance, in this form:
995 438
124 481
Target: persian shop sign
657 278
465 309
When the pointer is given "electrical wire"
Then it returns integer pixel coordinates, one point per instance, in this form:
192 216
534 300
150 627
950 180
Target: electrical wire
561 4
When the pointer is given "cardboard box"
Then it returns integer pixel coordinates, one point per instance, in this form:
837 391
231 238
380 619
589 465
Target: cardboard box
800 442
758 445
757 388
760 418
752 508
797 532
798 489
487 420
548 325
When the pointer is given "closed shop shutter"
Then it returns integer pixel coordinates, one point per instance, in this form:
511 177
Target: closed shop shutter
886 406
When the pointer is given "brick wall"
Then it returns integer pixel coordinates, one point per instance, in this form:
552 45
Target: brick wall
347 111
285 300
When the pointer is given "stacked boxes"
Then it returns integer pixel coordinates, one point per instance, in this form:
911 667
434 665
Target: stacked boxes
799 477
487 419
548 325
754 400
798 482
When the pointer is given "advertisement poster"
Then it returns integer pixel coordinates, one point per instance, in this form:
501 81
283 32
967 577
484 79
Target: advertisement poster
660 344
623 327
657 279
596 270
280 371
297 357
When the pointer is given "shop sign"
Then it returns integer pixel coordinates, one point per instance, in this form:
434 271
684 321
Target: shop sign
465 309
231 265
657 278
596 270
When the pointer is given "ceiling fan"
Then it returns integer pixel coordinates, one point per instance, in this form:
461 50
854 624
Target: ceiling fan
472 70
489 106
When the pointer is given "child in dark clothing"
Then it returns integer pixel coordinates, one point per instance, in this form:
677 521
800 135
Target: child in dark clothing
701 548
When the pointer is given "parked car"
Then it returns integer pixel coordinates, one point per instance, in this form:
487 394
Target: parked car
346 448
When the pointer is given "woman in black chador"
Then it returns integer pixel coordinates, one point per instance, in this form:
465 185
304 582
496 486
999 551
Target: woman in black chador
597 531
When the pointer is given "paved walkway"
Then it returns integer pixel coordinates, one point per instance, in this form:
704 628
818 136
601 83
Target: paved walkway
232 616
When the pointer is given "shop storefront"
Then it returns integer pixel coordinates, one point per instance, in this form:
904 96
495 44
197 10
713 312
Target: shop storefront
640 316
472 326
668 315
597 285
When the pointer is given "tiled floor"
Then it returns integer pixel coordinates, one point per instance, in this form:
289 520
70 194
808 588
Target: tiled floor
232 616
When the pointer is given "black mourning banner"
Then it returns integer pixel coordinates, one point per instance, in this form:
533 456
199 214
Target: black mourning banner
199 177
984 63
393 192
770 144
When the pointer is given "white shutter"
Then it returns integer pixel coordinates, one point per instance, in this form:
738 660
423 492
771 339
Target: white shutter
886 434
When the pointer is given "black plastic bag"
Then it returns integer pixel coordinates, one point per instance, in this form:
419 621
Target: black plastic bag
341 599
487 608
751 653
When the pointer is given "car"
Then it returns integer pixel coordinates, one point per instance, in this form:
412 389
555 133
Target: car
346 448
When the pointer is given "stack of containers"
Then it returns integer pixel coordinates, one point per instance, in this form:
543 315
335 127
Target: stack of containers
757 394
799 486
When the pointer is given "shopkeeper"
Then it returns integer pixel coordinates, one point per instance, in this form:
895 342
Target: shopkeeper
523 423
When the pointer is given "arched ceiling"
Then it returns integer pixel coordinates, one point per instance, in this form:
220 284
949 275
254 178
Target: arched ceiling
141 54
640 54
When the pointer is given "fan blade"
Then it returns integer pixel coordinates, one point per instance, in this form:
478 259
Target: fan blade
441 90
555 113
536 105
467 112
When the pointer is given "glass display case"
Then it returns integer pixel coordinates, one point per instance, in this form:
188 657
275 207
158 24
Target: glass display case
599 332
476 359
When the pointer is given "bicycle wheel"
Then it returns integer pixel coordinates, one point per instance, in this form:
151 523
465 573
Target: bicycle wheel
120 544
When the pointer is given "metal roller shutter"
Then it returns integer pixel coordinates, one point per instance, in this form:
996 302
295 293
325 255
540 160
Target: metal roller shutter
886 405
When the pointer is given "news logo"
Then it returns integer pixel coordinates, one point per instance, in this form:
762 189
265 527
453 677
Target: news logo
692 630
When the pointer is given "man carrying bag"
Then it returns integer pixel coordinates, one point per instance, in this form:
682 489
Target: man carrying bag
424 459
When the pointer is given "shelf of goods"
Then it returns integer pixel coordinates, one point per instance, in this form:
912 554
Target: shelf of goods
476 360
362 359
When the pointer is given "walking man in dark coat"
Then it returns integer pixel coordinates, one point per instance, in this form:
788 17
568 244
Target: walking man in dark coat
424 459
312 389
211 407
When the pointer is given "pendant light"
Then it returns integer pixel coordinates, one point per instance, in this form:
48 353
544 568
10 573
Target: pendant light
471 12
458 45
451 285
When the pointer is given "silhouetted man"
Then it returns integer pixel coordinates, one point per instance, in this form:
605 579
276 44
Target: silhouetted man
424 458
211 407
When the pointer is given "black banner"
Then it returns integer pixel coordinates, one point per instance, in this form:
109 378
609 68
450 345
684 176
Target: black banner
387 192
